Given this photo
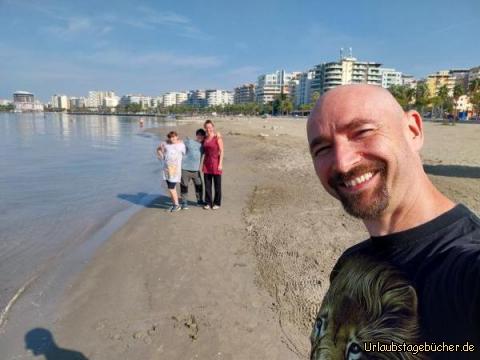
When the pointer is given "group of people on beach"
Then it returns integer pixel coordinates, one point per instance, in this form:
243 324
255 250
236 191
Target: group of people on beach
183 162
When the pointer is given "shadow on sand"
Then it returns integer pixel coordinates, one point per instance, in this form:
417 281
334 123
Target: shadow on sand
40 341
156 201
472 172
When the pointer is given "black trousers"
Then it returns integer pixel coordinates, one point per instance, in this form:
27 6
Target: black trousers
217 182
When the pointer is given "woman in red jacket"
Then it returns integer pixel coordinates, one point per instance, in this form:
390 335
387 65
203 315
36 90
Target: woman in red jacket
212 166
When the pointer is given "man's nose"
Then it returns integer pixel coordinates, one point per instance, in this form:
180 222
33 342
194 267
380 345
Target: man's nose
346 156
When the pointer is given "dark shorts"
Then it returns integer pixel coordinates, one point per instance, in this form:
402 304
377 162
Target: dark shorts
171 185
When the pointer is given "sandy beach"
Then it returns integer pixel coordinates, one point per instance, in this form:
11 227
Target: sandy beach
243 282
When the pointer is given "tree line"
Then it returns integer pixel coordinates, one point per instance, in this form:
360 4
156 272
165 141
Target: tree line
8 107
441 104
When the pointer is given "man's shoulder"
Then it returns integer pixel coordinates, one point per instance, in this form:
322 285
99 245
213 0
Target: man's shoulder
362 248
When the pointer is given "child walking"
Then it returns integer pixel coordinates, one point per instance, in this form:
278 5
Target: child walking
172 152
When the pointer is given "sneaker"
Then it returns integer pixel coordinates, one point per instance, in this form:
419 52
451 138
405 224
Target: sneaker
207 207
185 206
175 208
215 207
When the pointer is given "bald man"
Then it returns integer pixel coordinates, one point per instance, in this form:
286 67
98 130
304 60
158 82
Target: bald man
420 268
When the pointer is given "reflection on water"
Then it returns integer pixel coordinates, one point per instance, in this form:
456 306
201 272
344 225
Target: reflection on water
60 178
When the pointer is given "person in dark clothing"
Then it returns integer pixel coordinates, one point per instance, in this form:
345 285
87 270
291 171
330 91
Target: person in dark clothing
191 168
412 290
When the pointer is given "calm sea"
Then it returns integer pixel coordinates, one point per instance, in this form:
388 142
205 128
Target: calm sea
63 178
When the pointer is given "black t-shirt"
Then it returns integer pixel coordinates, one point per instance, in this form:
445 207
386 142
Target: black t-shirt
419 286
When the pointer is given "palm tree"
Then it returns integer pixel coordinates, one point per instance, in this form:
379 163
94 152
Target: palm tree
404 94
422 97
443 99
457 92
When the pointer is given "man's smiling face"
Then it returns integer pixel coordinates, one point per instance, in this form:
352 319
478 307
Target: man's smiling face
357 137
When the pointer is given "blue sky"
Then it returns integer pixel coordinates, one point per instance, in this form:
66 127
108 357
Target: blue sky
151 47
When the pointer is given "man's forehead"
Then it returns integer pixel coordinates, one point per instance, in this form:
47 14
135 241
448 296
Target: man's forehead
350 105
339 121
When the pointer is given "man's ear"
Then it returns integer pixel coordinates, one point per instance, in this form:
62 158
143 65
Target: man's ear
414 130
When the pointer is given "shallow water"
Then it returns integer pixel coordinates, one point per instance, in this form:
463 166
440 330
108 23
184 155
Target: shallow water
62 178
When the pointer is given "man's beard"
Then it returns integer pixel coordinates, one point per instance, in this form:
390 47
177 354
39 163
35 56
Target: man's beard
352 203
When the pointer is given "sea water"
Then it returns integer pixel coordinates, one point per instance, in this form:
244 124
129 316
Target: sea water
63 178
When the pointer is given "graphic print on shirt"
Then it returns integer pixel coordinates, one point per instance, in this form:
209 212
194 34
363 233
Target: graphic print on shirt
367 303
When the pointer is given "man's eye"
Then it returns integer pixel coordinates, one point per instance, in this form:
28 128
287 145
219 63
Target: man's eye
363 132
321 150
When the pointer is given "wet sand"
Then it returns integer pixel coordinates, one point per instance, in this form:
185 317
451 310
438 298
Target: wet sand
243 282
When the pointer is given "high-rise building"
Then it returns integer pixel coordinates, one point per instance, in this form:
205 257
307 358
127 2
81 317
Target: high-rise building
303 90
473 74
61 102
174 98
439 79
78 102
269 86
216 97
157 101
346 71
110 101
390 77
95 98
460 78
197 98
244 94
128 99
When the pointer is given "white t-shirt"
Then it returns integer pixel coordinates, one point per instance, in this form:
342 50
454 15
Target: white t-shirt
172 161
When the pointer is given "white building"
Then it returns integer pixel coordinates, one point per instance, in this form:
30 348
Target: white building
110 101
269 86
157 101
95 98
60 102
390 77
5 102
303 90
346 71
197 98
24 101
174 98
128 99
78 102
215 97
473 74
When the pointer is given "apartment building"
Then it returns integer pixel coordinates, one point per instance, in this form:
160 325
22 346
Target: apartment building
269 86
390 77
174 98
244 94
303 89
95 98
348 70
216 97
197 98
60 102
